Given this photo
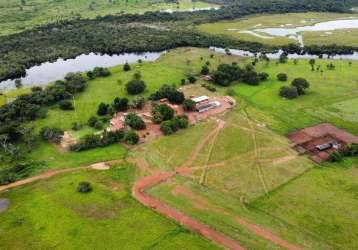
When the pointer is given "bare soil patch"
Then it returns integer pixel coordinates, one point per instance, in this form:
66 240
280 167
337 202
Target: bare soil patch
306 140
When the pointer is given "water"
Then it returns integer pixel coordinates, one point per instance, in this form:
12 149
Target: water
277 54
4 204
52 71
294 33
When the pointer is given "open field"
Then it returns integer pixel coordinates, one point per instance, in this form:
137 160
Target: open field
233 28
15 17
106 218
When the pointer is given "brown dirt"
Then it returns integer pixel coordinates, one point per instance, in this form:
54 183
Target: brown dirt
49 174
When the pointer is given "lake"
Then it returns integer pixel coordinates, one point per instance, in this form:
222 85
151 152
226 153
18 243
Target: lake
51 71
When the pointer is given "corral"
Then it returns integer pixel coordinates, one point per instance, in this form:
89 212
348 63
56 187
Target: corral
321 140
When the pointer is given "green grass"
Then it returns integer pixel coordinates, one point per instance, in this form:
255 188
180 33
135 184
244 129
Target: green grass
233 28
15 18
52 214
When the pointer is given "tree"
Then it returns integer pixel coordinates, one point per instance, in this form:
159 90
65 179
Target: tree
192 79
263 76
66 105
102 109
312 62
282 77
301 84
92 121
205 70
176 97
189 105
138 102
18 83
126 67
251 78
283 57
166 112
335 156
331 66
84 187
135 86
28 135
53 135
134 121
289 92
166 128
120 104
131 137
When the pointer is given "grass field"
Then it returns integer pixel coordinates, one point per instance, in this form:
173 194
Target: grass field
234 28
15 17
52 214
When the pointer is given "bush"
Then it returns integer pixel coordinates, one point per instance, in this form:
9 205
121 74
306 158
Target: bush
192 79
135 86
282 77
66 105
76 126
205 70
166 128
251 78
189 105
301 84
84 187
53 135
96 140
138 102
120 104
102 109
126 67
169 92
134 121
173 125
165 112
352 150
92 121
98 125
335 156
263 76
176 97
131 137
17 172
288 92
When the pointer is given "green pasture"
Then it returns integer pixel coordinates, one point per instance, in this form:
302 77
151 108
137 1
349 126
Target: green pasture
52 214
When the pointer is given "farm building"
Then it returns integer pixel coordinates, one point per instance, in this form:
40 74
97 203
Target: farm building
207 106
200 99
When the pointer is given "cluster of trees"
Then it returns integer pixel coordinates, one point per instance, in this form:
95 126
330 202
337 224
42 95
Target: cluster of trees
31 106
170 92
134 121
173 125
98 72
162 112
104 139
118 105
228 73
53 135
297 88
350 151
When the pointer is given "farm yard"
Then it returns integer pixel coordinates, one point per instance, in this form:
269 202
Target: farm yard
252 28
234 171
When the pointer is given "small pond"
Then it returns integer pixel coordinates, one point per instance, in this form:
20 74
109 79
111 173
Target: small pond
4 204
52 71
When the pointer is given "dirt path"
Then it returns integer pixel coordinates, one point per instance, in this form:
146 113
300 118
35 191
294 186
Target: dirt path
139 193
51 173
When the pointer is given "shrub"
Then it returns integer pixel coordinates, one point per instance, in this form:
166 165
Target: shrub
66 105
135 86
301 84
169 92
189 105
173 125
166 128
76 126
131 137
192 79
134 121
352 150
102 109
126 67
51 134
120 104
205 70
251 78
84 187
92 121
288 92
263 76
98 125
335 156
176 97
282 77
164 110
138 102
